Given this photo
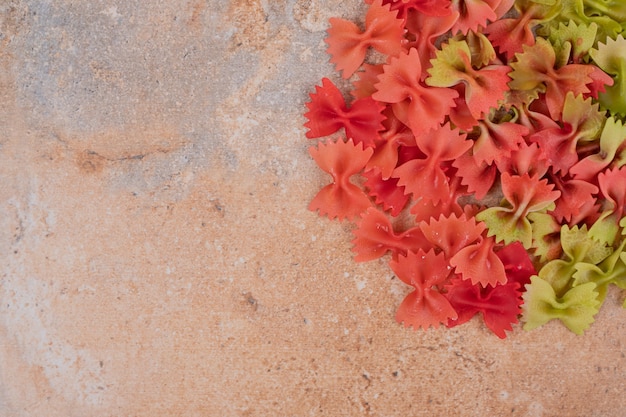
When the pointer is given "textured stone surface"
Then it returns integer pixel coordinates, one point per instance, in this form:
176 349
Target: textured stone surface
157 257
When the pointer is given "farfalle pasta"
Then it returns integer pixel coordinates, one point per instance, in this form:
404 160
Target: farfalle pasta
374 237
348 46
328 113
342 160
426 306
483 153
426 178
415 104
611 57
483 88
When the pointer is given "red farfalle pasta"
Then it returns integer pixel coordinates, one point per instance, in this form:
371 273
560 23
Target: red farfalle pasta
328 113
477 177
499 305
452 233
364 86
375 236
460 114
347 45
510 34
423 31
341 198
580 121
443 144
425 178
473 14
611 183
386 192
449 205
425 306
497 140
526 159
599 81
527 194
518 265
533 119
611 144
558 146
577 201
415 104
386 153
427 7
479 263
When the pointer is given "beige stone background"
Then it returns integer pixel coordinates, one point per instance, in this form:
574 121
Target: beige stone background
157 256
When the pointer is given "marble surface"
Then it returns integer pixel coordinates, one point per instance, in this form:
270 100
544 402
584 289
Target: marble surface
157 257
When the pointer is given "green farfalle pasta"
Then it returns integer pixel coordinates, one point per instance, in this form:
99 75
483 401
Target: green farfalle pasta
578 247
611 270
450 64
610 56
614 10
605 227
620 152
572 41
608 15
576 308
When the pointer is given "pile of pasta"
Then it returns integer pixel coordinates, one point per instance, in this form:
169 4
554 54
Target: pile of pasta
481 148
